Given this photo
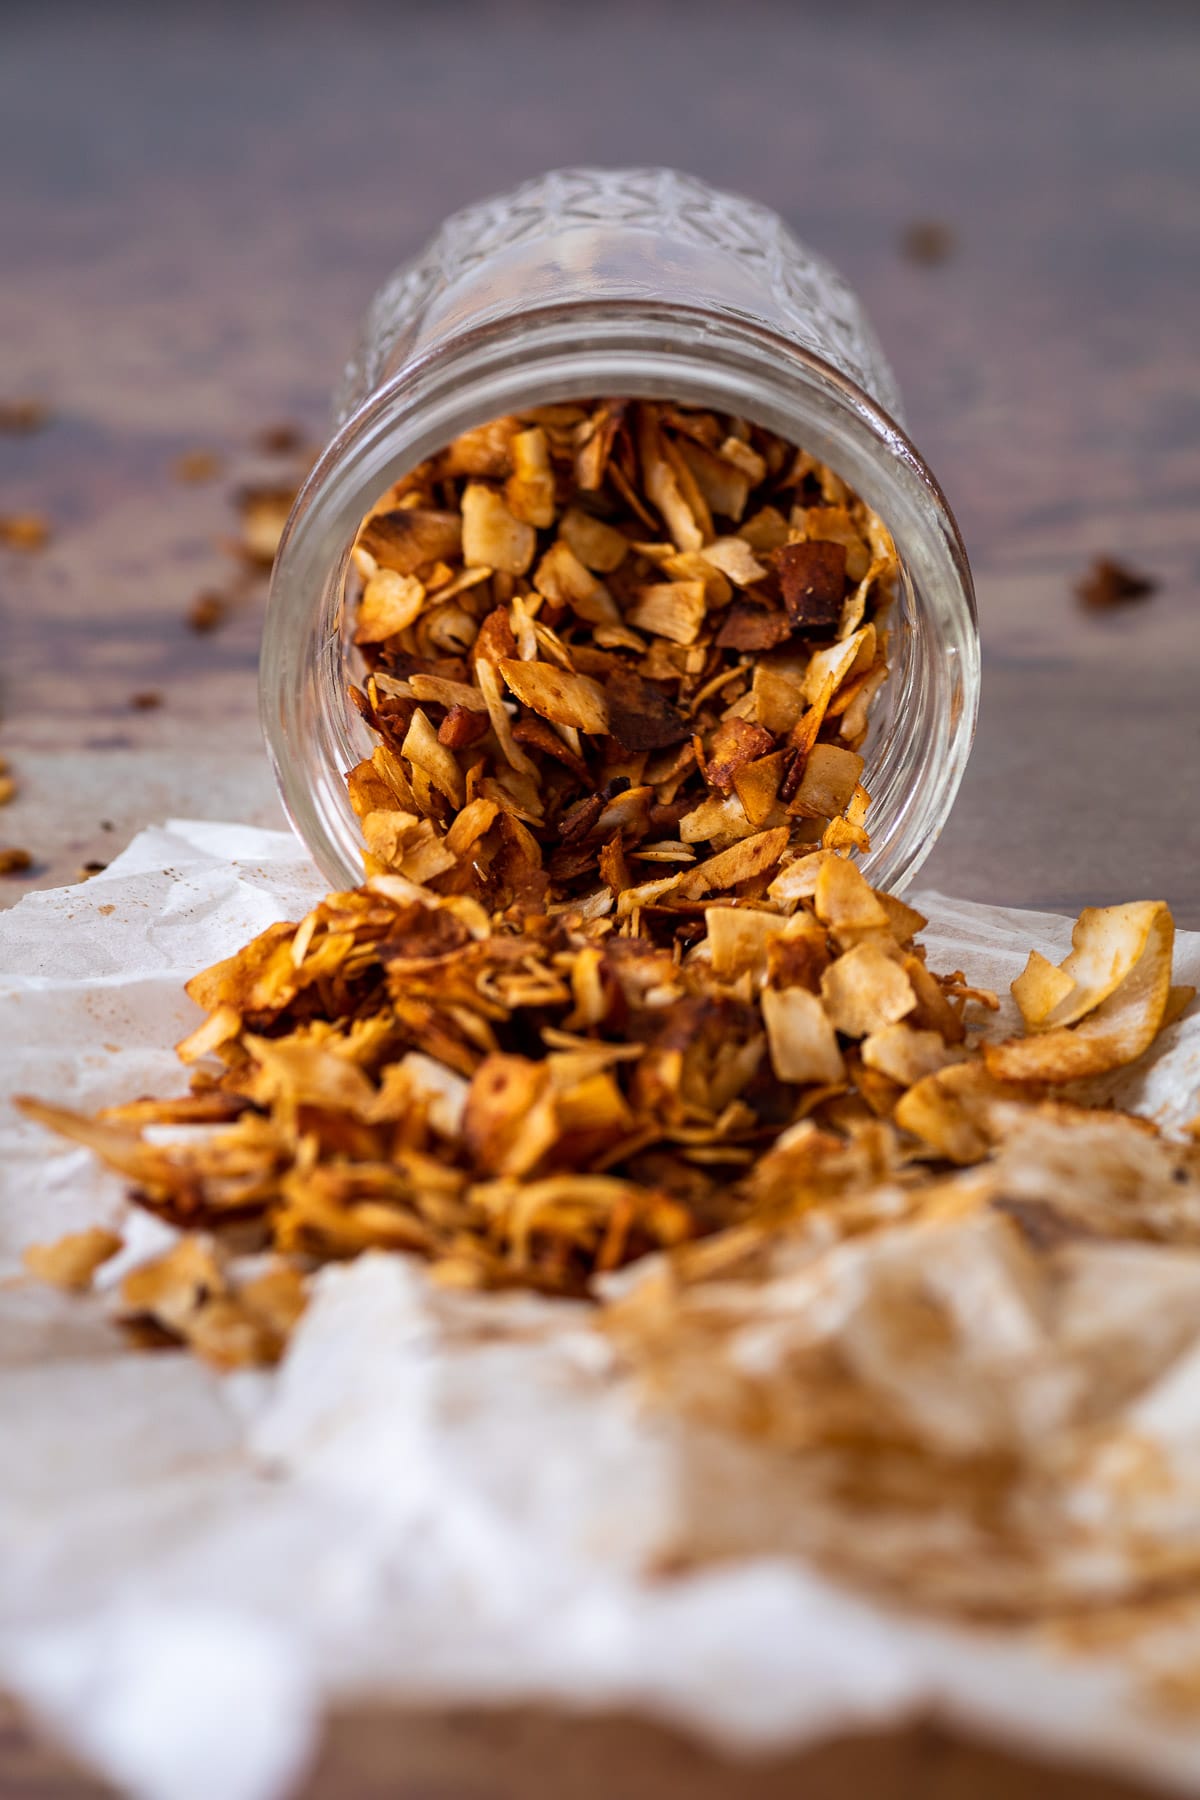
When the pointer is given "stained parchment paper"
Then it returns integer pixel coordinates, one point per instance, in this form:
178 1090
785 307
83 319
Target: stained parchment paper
438 1496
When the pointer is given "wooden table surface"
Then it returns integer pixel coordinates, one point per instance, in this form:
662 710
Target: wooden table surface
199 201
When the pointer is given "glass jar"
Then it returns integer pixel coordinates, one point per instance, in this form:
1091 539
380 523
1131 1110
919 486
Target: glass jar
641 284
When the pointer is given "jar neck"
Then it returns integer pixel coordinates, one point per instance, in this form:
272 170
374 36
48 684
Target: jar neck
699 356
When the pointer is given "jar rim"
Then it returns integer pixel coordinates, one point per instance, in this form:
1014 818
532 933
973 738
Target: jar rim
640 348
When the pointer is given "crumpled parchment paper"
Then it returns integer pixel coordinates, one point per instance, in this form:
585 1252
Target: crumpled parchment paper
439 1496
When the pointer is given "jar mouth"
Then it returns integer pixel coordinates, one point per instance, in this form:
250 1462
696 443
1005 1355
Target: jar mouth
924 718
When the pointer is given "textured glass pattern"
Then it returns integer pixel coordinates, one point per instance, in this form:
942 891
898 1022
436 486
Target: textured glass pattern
635 233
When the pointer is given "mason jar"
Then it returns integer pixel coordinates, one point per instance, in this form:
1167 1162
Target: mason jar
637 283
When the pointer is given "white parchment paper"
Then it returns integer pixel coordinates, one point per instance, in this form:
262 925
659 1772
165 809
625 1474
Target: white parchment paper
439 1495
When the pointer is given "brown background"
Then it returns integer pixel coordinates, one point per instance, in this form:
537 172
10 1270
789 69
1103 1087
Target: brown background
199 201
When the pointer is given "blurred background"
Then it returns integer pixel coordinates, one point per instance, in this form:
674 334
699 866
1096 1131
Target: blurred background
200 199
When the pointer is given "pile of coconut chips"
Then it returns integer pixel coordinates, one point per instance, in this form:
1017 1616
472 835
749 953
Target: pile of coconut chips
614 986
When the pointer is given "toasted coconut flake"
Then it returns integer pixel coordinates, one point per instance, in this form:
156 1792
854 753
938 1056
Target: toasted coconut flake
739 939
423 750
724 485
72 1260
390 604
660 479
778 697
693 493
844 901
264 512
1179 999
933 1011
800 954
841 835
446 693
1126 1021
557 695
485 450
904 921
1106 943
277 1298
837 524
743 861
640 715
716 818
798 880
690 565
476 818
735 450
462 727
906 1055
812 576
647 893
207 612
829 668
25 531
171 1289
24 415
222 1024
671 609
492 536
1109 583
802 1041
951 1111
407 538
857 713
734 558
828 783
530 488
489 686
563 578
598 546
441 1091
765 530
752 627
229 1335
627 812
735 743
1040 988
594 440
756 785
865 990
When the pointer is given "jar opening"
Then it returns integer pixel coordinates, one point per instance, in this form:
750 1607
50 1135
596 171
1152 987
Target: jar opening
921 733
